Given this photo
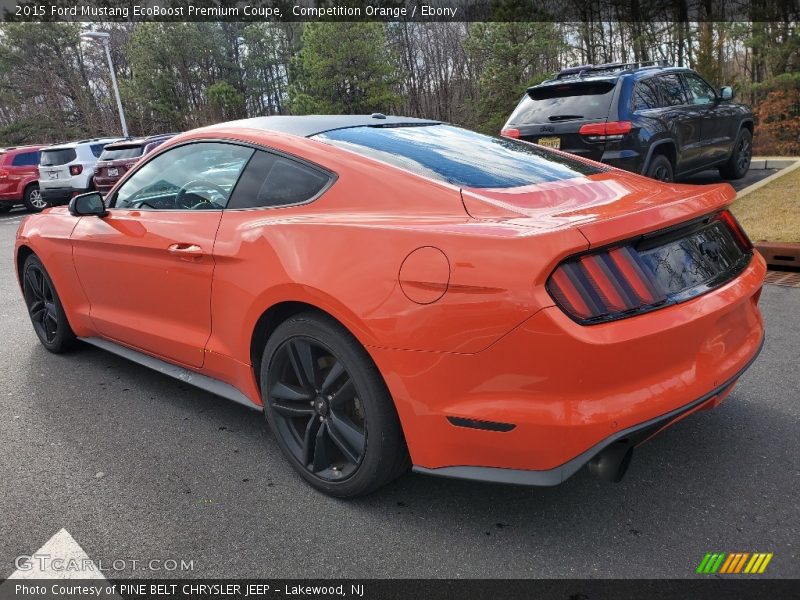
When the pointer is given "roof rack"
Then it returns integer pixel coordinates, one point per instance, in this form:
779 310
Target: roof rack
585 70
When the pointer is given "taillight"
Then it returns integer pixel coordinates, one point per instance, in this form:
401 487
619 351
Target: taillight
735 228
76 169
604 284
613 130
512 133
3 173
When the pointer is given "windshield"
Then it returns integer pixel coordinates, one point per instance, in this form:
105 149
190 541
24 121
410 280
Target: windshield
60 156
459 156
581 100
121 152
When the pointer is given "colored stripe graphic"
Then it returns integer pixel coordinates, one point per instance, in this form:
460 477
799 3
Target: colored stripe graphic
734 562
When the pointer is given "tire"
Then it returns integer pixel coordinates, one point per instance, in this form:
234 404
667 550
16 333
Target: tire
5 207
44 307
346 448
33 199
739 162
660 168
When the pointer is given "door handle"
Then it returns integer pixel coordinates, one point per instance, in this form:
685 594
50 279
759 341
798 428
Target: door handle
186 251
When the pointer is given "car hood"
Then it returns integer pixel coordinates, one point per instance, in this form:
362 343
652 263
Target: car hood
604 207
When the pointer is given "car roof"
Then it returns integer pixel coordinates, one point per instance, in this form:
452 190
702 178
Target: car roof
610 73
68 145
310 125
16 149
139 141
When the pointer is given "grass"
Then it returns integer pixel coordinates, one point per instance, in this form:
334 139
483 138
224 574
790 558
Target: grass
772 213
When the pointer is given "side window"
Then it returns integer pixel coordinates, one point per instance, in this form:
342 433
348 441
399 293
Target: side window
97 149
699 90
672 92
25 159
197 176
272 180
645 95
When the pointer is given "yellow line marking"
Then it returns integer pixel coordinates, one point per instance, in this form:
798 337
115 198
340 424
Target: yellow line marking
765 563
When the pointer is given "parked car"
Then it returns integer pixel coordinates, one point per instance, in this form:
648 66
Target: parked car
19 176
387 299
68 169
119 157
660 121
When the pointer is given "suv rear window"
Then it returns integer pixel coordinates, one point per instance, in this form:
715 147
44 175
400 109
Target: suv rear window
459 156
122 152
53 158
565 102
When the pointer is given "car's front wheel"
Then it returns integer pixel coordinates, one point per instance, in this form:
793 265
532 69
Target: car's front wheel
739 162
329 407
44 307
33 199
660 168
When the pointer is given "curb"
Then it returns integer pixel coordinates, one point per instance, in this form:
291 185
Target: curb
773 162
780 254
786 165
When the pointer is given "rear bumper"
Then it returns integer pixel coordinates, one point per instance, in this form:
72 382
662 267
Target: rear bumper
60 195
636 435
104 184
627 160
567 390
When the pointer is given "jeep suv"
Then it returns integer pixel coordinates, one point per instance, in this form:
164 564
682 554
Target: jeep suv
18 178
661 121
119 157
68 169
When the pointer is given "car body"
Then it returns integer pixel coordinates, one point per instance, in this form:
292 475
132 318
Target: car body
661 121
19 176
68 169
447 272
117 158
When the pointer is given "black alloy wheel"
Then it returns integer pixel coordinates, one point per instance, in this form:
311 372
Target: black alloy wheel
329 408
739 162
44 307
317 409
661 169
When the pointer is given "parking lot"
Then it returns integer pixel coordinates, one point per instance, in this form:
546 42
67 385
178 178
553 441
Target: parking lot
139 466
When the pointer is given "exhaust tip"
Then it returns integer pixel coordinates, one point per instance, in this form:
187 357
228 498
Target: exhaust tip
611 463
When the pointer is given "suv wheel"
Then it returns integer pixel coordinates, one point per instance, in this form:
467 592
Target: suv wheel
660 168
33 198
739 162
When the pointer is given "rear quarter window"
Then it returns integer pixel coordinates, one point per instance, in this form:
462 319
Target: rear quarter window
567 101
97 149
645 95
25 159
270 180
459 156
53 158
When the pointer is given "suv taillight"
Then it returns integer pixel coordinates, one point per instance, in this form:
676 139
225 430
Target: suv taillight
613 130
512 133
76 169
3 173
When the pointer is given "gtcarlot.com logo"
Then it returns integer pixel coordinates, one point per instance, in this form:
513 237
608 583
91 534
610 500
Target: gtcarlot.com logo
734 563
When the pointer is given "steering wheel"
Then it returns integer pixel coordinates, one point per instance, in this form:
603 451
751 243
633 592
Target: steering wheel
181 195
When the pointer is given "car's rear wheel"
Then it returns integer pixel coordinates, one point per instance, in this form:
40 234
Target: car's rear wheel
661 169
739 162
329 407
33 199
44 307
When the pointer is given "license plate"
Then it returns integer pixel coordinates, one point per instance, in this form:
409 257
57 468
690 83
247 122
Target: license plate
53 174
113 172
550 142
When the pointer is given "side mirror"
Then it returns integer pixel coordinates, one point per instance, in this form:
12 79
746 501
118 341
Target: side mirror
726 92
88 205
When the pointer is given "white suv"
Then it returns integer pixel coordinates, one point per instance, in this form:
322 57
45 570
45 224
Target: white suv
68 169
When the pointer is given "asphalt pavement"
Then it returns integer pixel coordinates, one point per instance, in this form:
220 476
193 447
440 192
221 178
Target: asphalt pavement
138 466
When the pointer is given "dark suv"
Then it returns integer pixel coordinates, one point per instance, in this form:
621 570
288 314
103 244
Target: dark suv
661 121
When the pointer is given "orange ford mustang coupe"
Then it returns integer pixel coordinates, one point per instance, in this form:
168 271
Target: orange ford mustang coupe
397 292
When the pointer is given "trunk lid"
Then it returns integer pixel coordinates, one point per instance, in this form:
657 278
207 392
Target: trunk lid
604 208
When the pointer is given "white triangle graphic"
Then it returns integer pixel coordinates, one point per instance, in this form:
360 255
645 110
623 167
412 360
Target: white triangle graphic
61 557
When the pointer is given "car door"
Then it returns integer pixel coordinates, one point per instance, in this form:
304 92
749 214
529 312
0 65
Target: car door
147 266
682 120
717 129
24 169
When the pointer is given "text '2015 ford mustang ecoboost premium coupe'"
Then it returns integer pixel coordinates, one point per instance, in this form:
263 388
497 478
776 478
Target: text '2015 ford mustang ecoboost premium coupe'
398 292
